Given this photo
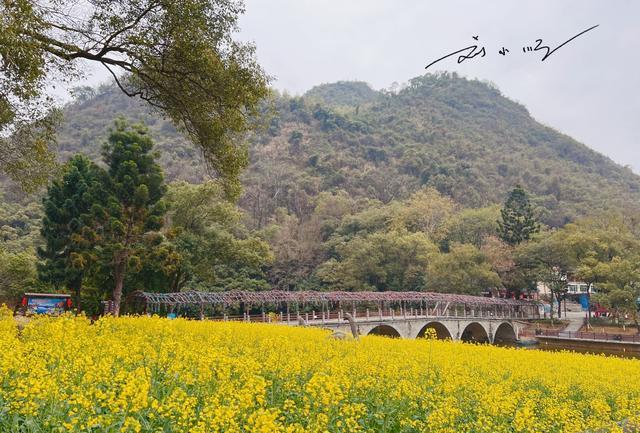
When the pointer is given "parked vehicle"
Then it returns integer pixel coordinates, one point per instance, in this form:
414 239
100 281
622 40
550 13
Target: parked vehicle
599 311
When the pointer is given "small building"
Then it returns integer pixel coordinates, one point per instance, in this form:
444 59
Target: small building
577 291
577 288
573 288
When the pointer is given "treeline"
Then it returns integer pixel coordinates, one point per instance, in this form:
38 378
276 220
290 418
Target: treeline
105 230
430 243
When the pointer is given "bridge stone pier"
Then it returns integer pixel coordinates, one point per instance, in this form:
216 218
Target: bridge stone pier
481 330
392 314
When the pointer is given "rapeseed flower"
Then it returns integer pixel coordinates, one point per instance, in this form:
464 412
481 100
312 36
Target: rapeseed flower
148 374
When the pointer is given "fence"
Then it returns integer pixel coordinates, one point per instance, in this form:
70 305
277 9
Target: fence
317 317
589 336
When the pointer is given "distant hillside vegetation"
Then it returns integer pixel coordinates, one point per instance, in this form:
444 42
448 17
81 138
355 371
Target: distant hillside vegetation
348 93
459 136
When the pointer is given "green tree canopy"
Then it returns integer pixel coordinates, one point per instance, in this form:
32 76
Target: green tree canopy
517 222
69 227
426 211
473 226
215 252
17 275
549 259
393 260
134 206
179 56
463 270
619 287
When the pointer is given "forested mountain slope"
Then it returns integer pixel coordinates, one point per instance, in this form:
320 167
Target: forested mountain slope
460 136
355 189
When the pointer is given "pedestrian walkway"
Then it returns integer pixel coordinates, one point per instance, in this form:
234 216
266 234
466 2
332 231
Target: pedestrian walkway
576 320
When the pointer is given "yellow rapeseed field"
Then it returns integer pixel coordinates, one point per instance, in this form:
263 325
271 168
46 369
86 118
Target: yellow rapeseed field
141 374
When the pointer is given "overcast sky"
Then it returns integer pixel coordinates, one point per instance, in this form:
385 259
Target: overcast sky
589 88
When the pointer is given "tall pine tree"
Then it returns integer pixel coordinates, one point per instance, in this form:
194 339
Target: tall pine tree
69 225
517 222
135 205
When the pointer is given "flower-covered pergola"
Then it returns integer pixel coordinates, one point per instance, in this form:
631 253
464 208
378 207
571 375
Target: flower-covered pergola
280 300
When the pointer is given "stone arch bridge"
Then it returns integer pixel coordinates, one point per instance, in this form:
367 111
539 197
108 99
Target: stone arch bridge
392 314
482 330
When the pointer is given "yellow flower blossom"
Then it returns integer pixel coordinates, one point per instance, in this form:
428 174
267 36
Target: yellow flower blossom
148 374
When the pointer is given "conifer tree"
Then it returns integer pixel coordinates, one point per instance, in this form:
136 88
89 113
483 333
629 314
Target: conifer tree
517 222
135 205
69 225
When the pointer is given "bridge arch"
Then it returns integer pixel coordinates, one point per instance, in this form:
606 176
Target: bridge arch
475 332
384 331
442 333
505 334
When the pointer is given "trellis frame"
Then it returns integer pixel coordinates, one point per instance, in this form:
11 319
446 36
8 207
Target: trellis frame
155 301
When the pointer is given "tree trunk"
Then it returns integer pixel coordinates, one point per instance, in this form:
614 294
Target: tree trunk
175 284
76 287
558 297
118 276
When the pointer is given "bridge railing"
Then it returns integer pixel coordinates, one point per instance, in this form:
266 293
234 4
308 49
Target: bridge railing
321 317
634 338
